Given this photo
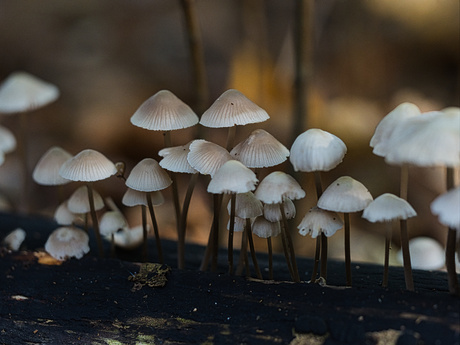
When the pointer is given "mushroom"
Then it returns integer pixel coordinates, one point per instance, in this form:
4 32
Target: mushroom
46 171
63 216
111 222
266 229
386 208
314 151
67 242
89 166
7 140
14 239
274 189
426 254
345 195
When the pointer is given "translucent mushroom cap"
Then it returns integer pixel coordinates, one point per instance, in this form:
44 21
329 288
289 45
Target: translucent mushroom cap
260 150
135 198
272 212
79 202
345 195
388 207
7 140
88 166
111 222
446 207
264 228
148 176
67 242
175 159
317 150
425 254
232 108
388 124
232 177
46 172
21 92
278 186
238 225
207 157
318 221
246 206
130 238
63 216
164 111
14 239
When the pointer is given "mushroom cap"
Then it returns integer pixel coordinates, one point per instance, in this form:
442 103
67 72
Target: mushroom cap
89 165
317 150
130 238
272 212
14 239
276 187
175 159
46 172
425 254
207 157
232 108
135 198
67 242
388 124
63 216
111 222
21 91
345 195
79 202
388 207
148 176
246 206
232 177
318 221
431 139
264 228
239 224
446 206
7 140
260 150
164 111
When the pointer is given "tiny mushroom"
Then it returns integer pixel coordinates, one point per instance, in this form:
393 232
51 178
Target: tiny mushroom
266 229
426 254
67 242
46 172
14 239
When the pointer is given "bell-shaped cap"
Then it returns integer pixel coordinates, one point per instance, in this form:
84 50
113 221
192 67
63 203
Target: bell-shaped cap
446 207
207 157
63 216
164 111
260 150
232 177
232 108
388 207
278 186
425 254
246 206
148 176
264 228
135 198
238 225
130 238
175 159
318 221
79 202
21 92
7 140
88 166
14 239
317 150
272 212
46 172
67 242
345 195
111 222
388 124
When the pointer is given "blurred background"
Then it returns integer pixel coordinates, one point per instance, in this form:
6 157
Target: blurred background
109 56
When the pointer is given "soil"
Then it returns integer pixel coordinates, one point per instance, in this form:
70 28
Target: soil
105 301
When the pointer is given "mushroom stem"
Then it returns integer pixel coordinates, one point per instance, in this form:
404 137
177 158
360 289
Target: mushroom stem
251 245
217 200
323 269
22 148
290 247
450 245
243 259
404 181
144 231
183 222
406 255
321 241
270 258
94 219
230 138
387 254
346 217
230 233
314 273
155 228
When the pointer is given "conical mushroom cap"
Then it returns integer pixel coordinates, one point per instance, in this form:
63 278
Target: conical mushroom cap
318 221
345 195
88 166
207 157
135 198
317 150
232 177
148 176
164 112
232 108
22 91
67 242
175 159
260 150
446 207
388 124
272 212
79 202
46 172
265 229
7 140
247 206
388 207
278 186
111 222
63 216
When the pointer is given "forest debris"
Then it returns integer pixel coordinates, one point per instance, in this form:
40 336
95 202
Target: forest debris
151 274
